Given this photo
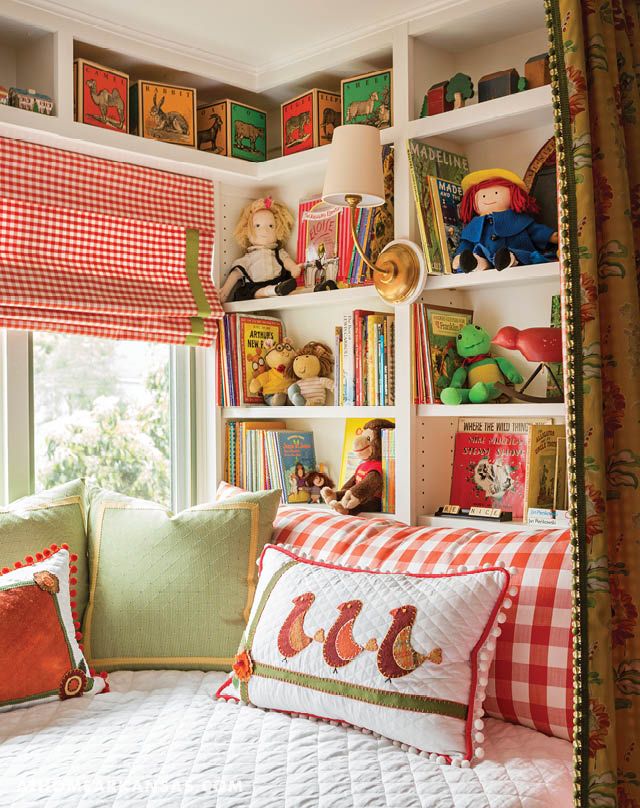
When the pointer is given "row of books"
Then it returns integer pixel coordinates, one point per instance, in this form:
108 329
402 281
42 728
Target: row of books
364 356
262 455
240 356
436 358
324 234
516 465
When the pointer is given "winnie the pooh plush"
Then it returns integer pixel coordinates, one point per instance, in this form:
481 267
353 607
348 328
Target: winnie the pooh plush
363 491
273 383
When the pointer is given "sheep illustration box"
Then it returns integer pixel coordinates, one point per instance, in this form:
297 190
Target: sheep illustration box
100 96
233 129
163 112
308 120
368 99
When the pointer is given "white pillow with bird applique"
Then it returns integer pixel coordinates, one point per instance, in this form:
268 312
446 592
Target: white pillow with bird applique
402 655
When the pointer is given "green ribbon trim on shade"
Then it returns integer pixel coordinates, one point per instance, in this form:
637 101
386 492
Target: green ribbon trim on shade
192 250
371 695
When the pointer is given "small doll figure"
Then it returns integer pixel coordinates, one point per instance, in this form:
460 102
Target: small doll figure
298 480
500 230
310 369
315 482
266 269
273 383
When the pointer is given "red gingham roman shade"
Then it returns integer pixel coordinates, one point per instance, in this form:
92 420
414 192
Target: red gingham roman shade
102 248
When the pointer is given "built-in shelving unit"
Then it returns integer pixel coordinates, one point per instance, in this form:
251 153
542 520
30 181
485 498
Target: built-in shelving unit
37 49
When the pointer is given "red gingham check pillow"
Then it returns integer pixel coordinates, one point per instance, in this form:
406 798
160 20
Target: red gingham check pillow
530 682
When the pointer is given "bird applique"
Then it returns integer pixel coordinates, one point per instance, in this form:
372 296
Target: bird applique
339 646
292 637
396 656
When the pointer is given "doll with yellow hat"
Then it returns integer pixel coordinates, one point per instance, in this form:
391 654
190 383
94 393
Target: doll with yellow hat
499 226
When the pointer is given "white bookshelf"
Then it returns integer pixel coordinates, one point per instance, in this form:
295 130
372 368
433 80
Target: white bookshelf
37 48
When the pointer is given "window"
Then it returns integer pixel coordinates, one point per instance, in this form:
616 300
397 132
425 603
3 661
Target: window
102 410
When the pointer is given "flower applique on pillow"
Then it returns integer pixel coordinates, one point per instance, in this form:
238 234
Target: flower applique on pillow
40 656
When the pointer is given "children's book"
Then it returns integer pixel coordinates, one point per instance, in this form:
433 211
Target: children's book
489 471
350 460
296 458
426 160
445 199
442 325
541 465
251 334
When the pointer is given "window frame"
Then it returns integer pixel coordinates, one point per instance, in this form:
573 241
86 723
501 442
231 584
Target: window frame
191 380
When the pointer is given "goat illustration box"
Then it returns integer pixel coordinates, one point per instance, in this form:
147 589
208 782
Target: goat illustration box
101 96
233 129
308 120
368 99
163 112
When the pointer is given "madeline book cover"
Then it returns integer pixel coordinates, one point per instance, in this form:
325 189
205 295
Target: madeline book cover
252 332
296 457
489 471
445 199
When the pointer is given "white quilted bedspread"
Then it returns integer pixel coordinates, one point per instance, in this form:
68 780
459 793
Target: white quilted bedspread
158 739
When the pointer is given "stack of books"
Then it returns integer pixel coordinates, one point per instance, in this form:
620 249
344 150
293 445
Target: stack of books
436 358
388 470
364 358
240 356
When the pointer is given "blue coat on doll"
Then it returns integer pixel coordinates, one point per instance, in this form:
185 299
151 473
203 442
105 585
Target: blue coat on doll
527 239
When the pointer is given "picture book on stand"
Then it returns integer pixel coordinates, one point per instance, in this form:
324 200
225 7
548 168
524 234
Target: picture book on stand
542 468
435 329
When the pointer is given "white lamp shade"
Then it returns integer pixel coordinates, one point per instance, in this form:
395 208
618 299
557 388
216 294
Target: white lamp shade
355 167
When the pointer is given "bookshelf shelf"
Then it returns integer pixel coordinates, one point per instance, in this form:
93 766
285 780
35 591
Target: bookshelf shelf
365 515
490 119
289 413
475 524
492 411
514 276
353 296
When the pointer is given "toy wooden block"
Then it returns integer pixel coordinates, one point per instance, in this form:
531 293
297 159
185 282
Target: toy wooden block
435 101
31 101
459 90
233 130
100 96
163 112
495 85
368 99
308 120
536 71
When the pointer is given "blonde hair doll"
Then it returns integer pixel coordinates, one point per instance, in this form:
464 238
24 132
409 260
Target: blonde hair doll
266 269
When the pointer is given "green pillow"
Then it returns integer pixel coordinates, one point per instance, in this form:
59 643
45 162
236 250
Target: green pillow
172 591
56 516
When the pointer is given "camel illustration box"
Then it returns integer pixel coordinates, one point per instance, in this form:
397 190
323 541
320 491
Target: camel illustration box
163 112
233 130
101 96
308 120
368 99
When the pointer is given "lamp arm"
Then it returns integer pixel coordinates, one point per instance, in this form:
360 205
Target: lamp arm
352 201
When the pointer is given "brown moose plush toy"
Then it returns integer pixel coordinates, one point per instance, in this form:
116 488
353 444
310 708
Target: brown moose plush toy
363 491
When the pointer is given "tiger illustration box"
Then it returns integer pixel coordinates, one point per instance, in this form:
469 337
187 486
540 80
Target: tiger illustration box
233 129
100 96
163 112
368 99
308 120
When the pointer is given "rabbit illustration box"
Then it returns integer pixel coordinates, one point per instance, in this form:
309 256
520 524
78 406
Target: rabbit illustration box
308 120
163 112
368 99
241 130
101 96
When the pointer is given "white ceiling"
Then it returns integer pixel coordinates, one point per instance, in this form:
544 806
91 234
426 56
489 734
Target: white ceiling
255 34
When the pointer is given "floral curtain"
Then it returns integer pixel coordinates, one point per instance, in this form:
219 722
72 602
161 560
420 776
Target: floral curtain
595 60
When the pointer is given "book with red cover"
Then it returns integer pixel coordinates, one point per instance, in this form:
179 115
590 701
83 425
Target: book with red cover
489 470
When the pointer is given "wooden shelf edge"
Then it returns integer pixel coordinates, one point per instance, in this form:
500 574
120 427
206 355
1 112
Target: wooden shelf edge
522 410
477 524
514 276
358 295
289 413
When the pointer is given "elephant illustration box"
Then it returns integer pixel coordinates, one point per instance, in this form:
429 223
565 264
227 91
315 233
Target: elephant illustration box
308 120
368 99
100 96
163 112
233 129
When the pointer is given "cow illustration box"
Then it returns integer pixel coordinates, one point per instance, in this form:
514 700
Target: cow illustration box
163 112
233 129
368 99
100 96
308 120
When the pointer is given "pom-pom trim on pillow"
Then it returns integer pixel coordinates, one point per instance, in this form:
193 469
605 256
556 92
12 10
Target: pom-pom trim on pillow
79 678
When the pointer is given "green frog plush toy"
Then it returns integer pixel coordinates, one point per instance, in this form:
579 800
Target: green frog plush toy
475 382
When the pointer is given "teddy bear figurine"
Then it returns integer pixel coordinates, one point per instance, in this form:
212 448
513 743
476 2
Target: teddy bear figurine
475 382
310 371
362 491
266 269
274 382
